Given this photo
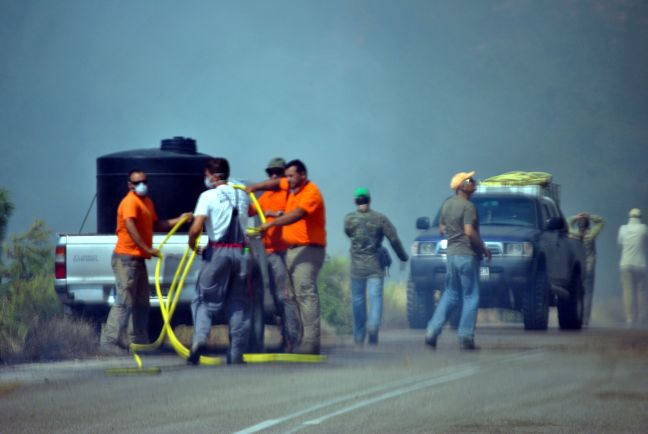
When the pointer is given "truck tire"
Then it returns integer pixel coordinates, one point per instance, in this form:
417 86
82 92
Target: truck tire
257 316
535 302
570 311
420 305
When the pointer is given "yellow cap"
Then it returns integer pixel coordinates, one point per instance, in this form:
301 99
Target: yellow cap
459 178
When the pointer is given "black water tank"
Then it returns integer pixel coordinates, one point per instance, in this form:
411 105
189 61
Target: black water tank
175 179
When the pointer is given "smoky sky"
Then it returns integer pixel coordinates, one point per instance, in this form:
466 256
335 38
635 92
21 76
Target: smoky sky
394 96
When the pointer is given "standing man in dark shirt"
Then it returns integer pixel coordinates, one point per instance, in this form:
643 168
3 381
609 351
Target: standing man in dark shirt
460 223
366 228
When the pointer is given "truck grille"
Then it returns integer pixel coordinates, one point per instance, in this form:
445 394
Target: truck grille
495 248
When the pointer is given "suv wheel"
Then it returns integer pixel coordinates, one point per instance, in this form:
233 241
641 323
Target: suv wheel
535 303
570 311
420 305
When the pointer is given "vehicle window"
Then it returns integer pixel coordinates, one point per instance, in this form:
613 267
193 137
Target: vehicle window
546 211
504 211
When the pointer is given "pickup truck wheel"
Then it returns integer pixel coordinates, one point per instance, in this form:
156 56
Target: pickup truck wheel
535 303
570 311
257 323
420 305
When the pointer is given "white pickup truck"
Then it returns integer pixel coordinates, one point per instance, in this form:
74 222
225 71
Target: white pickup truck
85 283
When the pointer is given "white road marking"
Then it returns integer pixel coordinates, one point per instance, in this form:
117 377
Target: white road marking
394 393
395 389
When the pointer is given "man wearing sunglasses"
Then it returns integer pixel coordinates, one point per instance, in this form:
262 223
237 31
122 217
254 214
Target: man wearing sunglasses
136 221
459 222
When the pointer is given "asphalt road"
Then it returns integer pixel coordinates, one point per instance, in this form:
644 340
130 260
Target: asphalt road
592 381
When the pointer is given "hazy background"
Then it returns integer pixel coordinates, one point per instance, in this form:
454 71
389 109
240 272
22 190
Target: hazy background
393 95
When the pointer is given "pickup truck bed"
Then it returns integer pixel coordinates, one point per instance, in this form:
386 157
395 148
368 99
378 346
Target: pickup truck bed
85 281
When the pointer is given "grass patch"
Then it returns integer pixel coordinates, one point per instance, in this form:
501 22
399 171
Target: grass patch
60 338
394 304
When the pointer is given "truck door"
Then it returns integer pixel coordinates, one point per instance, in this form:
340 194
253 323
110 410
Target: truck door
555 244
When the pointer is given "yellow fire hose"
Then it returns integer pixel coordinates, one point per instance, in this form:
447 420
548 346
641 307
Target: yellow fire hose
167 308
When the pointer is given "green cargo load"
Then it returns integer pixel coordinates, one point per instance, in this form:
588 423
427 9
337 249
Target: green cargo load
519 178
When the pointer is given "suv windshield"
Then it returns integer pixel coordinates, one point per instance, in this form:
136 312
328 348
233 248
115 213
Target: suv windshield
503 211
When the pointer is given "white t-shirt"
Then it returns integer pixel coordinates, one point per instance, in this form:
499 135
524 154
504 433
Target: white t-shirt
633 239
217 204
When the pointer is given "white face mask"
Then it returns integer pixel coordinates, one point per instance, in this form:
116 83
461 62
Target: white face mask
141 189
208 182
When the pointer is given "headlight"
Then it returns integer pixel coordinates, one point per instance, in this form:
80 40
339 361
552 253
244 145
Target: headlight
518 249
427 248
424 248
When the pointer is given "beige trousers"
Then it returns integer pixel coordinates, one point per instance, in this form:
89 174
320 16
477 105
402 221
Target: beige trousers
633 281
304 264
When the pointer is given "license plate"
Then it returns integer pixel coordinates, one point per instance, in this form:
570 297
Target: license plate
484 273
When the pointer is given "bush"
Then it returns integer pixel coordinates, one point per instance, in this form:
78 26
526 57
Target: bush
31 316
59 337
394 304
23 305
335 295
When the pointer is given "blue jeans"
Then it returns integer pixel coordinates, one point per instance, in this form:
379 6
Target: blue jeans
462 280
374 286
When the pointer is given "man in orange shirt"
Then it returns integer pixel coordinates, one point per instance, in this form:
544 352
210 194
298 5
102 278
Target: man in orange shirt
273 204
136 220
305 235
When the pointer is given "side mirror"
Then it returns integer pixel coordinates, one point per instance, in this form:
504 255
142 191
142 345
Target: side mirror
555 224
423 223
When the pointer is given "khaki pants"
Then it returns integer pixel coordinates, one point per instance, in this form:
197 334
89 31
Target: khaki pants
304 264
131 301
633 281
284 297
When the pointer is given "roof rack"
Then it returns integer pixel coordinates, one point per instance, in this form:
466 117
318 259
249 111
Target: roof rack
550 190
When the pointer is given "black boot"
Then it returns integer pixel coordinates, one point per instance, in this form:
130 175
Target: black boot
467 344
196 351
373 337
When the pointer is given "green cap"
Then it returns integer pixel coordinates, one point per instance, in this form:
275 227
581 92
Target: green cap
362 191
276 163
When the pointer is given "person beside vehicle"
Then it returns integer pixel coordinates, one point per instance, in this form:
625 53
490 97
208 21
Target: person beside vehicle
305 235
273 204
366 229
460 224
587 227
221 283
633 240
136 222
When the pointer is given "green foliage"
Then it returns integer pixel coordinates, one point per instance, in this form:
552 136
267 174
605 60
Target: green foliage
31 253
28 300
335 296
394 304
6 208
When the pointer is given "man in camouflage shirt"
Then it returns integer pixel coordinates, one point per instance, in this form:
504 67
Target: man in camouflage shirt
366 229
